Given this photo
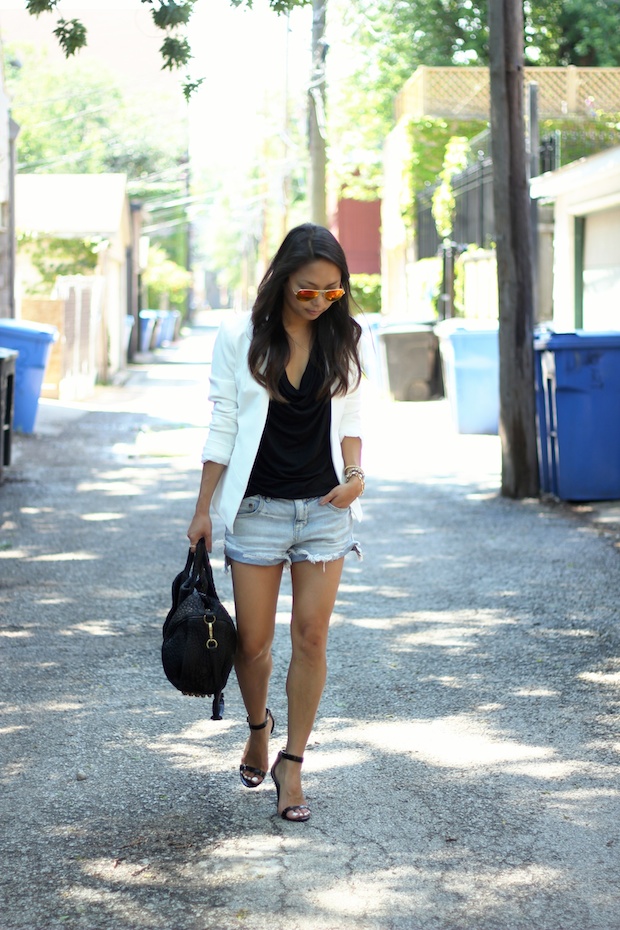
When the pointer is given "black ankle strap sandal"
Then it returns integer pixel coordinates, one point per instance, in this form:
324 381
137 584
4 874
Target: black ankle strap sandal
261 726
303 809
247 773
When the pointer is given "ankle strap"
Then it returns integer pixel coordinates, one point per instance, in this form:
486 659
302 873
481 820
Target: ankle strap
259 726
291 758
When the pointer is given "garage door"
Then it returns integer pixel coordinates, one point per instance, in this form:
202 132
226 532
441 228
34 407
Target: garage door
601 271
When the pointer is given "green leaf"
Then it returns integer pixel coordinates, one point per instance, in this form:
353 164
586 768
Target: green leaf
175 52
172 13
189 86
71 35
278 6
35 7
285 6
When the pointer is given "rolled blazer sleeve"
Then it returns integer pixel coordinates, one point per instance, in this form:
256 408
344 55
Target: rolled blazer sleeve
351 423
223 428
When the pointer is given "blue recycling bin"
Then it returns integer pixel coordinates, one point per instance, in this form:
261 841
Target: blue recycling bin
167 327
580 394
470 358
542 339
148 319
174 321
546 340
33 343
129 324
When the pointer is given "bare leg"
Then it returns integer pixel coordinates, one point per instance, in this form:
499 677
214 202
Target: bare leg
315 587
256 589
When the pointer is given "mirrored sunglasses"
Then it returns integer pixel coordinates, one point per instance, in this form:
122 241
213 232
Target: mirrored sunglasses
334 293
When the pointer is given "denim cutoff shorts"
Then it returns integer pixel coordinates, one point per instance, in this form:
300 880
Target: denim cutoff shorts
271 530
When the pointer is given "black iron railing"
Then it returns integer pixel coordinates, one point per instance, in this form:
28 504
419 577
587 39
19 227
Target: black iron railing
473 187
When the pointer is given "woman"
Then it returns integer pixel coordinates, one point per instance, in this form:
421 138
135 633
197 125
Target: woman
281 466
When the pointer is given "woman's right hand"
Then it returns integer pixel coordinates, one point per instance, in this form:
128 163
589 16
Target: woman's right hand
200 528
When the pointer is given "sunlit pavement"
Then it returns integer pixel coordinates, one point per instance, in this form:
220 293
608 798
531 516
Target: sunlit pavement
463 771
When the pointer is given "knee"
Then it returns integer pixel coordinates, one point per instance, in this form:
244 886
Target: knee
252 651
310 644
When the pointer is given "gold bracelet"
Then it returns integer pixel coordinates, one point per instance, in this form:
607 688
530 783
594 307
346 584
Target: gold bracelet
355 471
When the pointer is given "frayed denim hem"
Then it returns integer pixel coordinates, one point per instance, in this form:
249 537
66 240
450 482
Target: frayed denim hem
303 555
265 561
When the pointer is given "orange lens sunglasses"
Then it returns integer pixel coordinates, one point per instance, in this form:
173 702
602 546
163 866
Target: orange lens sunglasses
305 294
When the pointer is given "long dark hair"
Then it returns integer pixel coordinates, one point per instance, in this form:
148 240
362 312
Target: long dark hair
336 332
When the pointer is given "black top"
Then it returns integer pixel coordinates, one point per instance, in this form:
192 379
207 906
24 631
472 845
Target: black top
294 457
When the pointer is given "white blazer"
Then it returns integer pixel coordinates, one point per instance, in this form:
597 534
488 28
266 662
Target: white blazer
240 407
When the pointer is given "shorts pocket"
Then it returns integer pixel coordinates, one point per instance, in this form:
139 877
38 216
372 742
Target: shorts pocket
251 505
338 509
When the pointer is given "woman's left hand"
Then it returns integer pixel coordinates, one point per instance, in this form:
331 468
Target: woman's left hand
343 495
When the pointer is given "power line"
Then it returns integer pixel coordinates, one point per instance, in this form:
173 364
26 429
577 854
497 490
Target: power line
45 101
180 202
69 116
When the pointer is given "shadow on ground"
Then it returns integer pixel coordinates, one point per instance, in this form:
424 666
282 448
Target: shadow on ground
463 771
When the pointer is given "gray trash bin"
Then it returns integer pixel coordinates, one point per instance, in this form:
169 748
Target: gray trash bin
411 359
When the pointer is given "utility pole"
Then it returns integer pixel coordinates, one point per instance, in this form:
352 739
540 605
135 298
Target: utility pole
533 136
188 236
286 178
12 242
511 201
316 116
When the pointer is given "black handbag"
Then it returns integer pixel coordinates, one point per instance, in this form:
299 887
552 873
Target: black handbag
200 637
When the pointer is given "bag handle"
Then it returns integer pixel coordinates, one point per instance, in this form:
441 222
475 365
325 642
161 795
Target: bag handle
202 570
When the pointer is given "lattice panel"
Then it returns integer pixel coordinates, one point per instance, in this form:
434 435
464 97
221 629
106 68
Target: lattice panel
465 92
600 89
553 92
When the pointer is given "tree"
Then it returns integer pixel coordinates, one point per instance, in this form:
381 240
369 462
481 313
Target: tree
455 160
316 116
166 282
52 257
573 32
76 119
386 41
171 16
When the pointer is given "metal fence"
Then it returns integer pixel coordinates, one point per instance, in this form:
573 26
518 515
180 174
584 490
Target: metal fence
473 222
561 147
473 187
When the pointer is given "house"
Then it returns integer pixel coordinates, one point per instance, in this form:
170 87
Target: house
357 226
458 97
82 207
586 245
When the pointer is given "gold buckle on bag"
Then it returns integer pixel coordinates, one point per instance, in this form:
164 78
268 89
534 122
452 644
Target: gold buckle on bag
211 643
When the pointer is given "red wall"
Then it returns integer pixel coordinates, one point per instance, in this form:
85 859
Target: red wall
357 227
